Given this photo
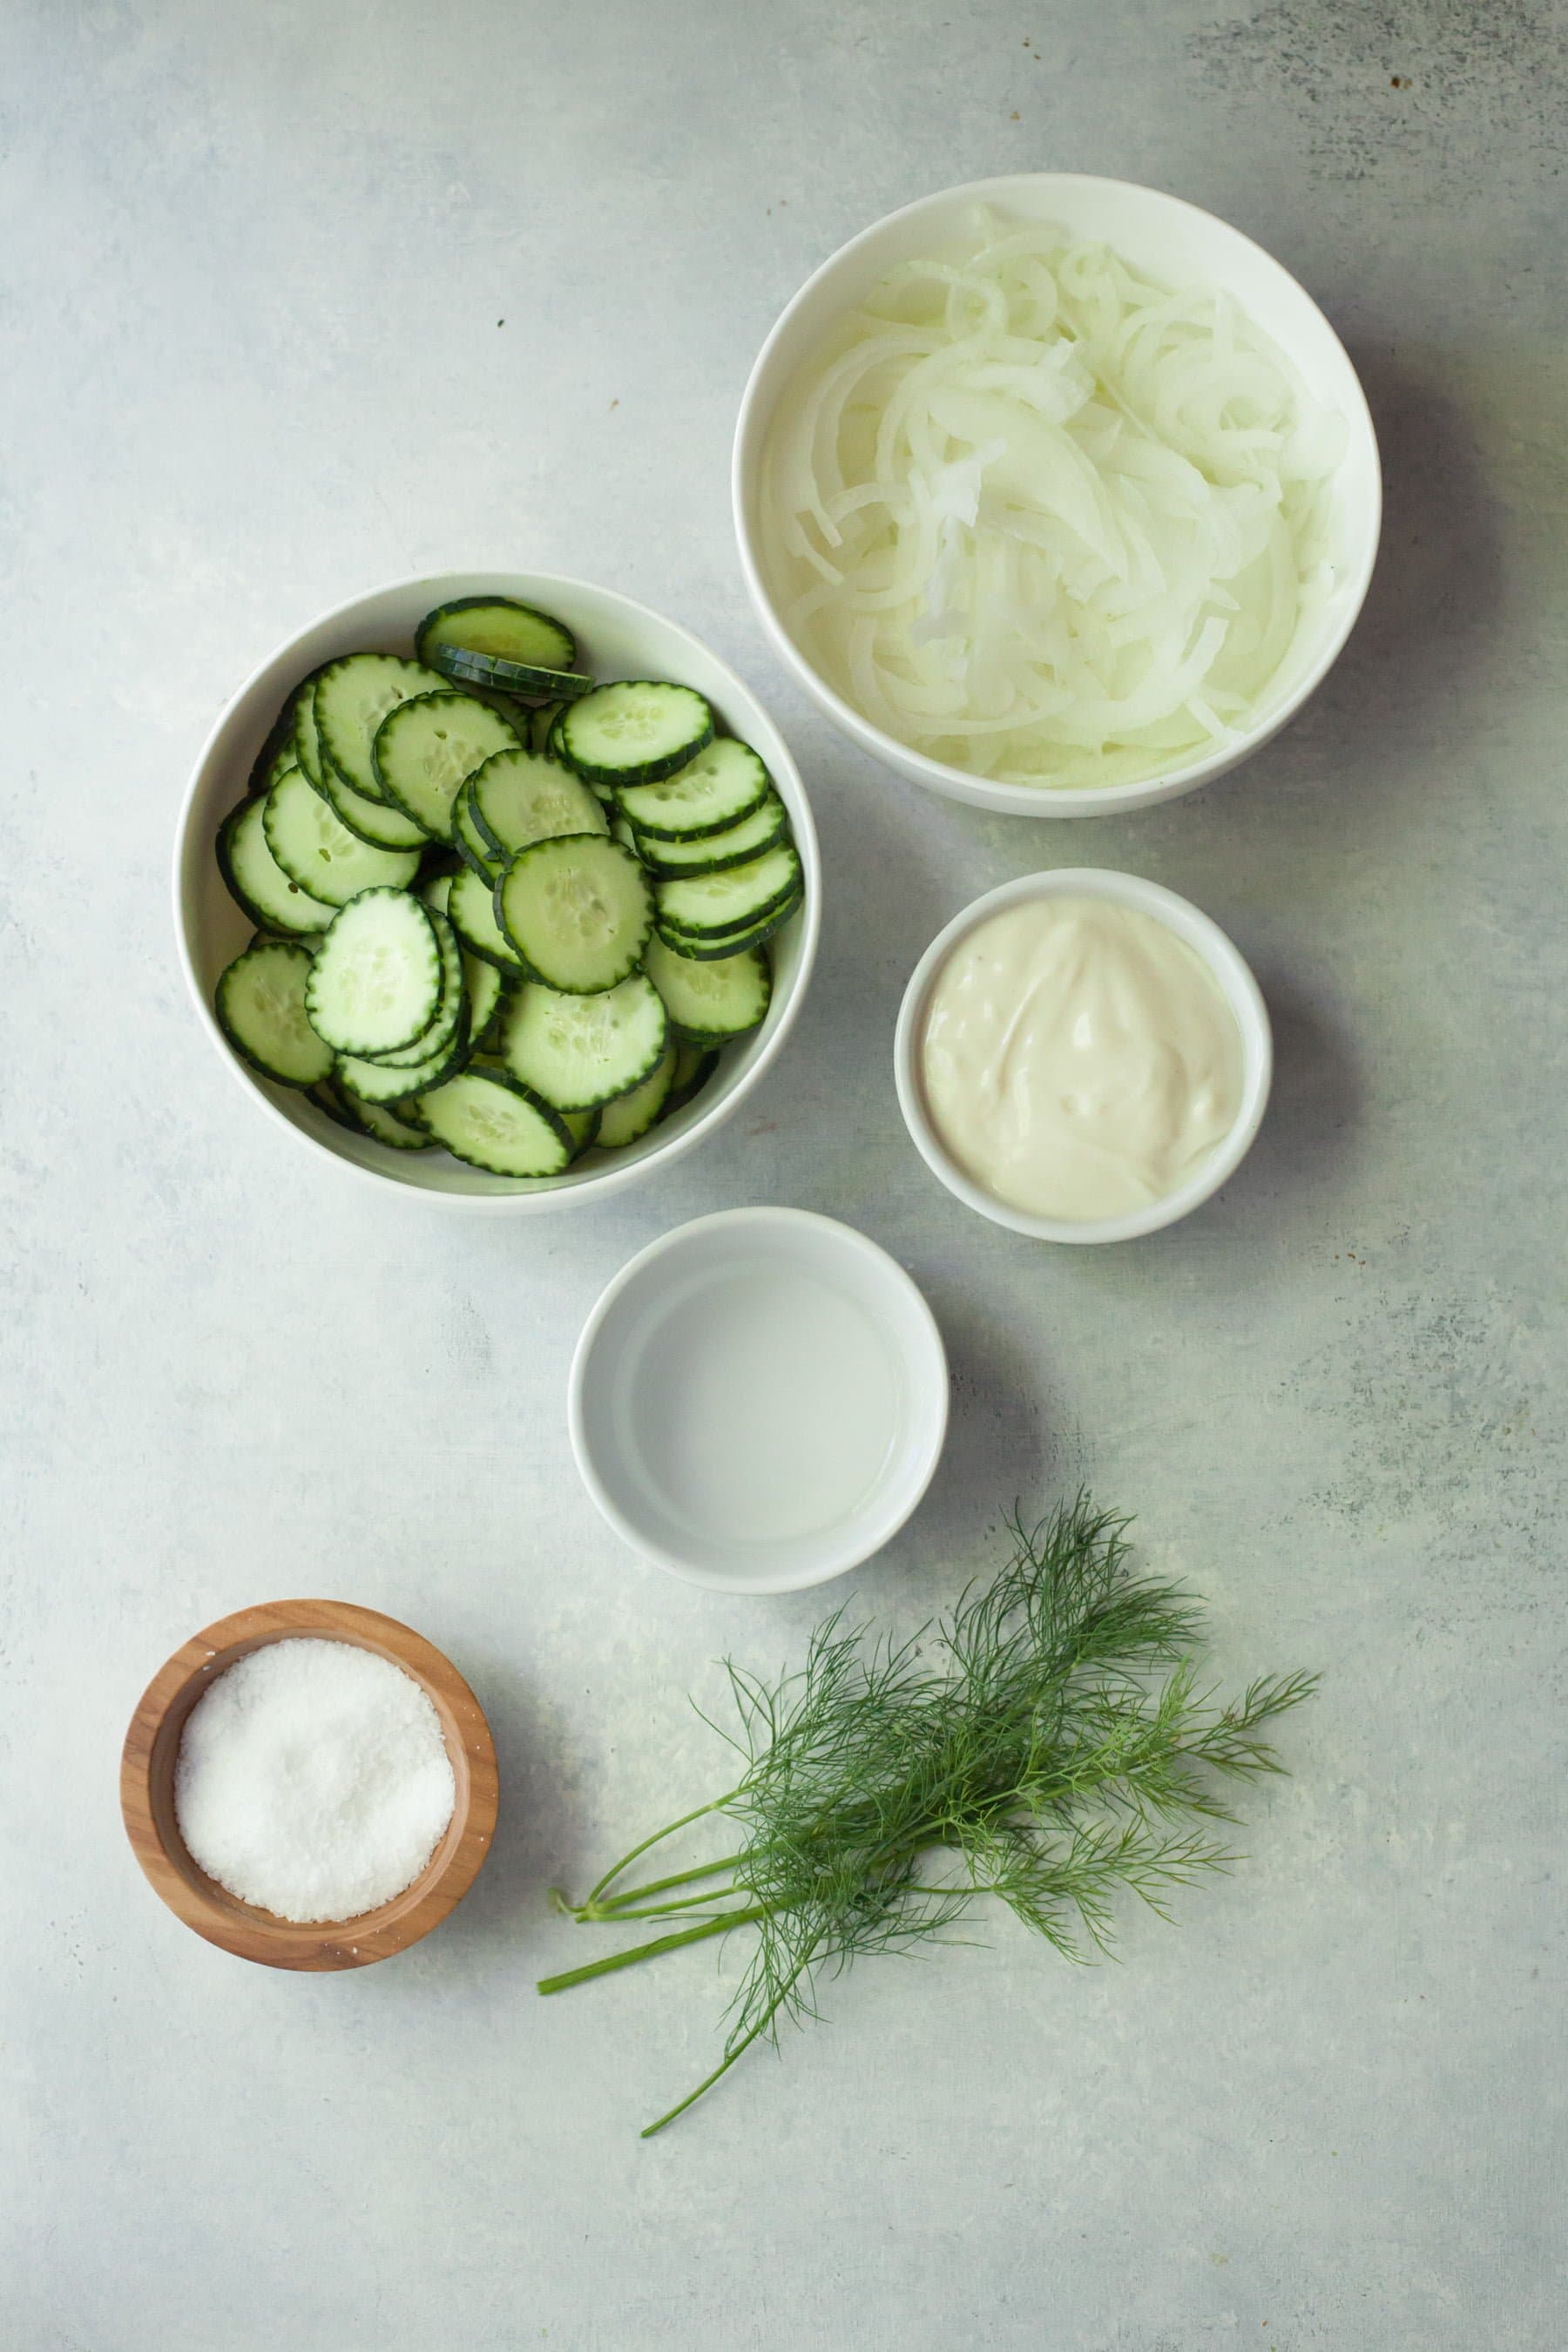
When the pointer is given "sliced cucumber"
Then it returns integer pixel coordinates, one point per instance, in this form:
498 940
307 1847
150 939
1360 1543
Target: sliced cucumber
276 757
317 851
576 1051
375 984
426 746
578 908
371 1118
258 884
260 1006
631 1115
488 671
473 846
582 1127
482 986
710 998
694 1065
437 892
443 1027
709 904
490 1121
540 724
498 626
517 798
634 732
351 699
705 945
724 782
372 821
471 903
713 852
378 1082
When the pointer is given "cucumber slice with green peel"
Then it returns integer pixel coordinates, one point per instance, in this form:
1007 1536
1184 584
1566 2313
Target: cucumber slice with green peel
706 905
540 723
489 670
707 946
582 1127
258 884
576 1051
723 783
710 998
631 1115
276 757
520 715
260 1005
372 821
517 798
634 732
426 746
500 627
471 903
371 1118
351 698
329 1098
694 1065
376 1082
375 983
308 752
578 908
474 846
319 854
713 852
552 751
487 1119
482 986
437 892
443 1028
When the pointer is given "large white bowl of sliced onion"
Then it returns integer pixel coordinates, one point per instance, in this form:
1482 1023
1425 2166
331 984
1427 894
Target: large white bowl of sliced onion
1055 493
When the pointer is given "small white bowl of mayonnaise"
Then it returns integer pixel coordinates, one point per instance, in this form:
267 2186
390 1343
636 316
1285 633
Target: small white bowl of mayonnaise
1083 1056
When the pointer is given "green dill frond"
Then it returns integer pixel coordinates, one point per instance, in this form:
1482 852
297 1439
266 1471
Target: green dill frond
1050 1748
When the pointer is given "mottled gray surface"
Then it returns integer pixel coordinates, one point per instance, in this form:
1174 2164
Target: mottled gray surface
252 263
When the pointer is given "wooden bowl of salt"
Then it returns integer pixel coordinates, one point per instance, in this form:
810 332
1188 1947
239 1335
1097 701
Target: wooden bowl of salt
151 1759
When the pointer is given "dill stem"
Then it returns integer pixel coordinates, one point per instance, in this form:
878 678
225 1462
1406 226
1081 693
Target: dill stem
698 1812
601 1917
648 1951
594 1909
761 2027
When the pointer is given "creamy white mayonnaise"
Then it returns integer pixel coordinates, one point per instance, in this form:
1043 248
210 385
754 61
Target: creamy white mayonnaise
1079 1059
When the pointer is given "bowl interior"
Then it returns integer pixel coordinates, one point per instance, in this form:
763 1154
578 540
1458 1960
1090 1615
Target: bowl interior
620 639
1231 971
152 1751
1171 241
759 1399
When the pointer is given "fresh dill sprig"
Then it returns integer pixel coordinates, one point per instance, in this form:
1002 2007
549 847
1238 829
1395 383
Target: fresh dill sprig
1047 1744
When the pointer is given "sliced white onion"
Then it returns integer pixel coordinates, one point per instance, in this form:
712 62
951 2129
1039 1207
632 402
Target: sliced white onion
1042 518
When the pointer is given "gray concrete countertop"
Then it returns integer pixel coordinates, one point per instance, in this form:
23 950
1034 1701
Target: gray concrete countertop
300 298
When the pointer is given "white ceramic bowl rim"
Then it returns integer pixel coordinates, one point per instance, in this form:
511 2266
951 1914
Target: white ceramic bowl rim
757 405
927 1401
377 1163
1230 969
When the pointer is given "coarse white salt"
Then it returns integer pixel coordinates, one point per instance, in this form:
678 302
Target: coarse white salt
312 1779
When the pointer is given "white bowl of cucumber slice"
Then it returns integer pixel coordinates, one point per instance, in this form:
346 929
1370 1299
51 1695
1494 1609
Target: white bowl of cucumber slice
497 887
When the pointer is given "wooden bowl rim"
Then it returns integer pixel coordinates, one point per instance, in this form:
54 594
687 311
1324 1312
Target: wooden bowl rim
244 1929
